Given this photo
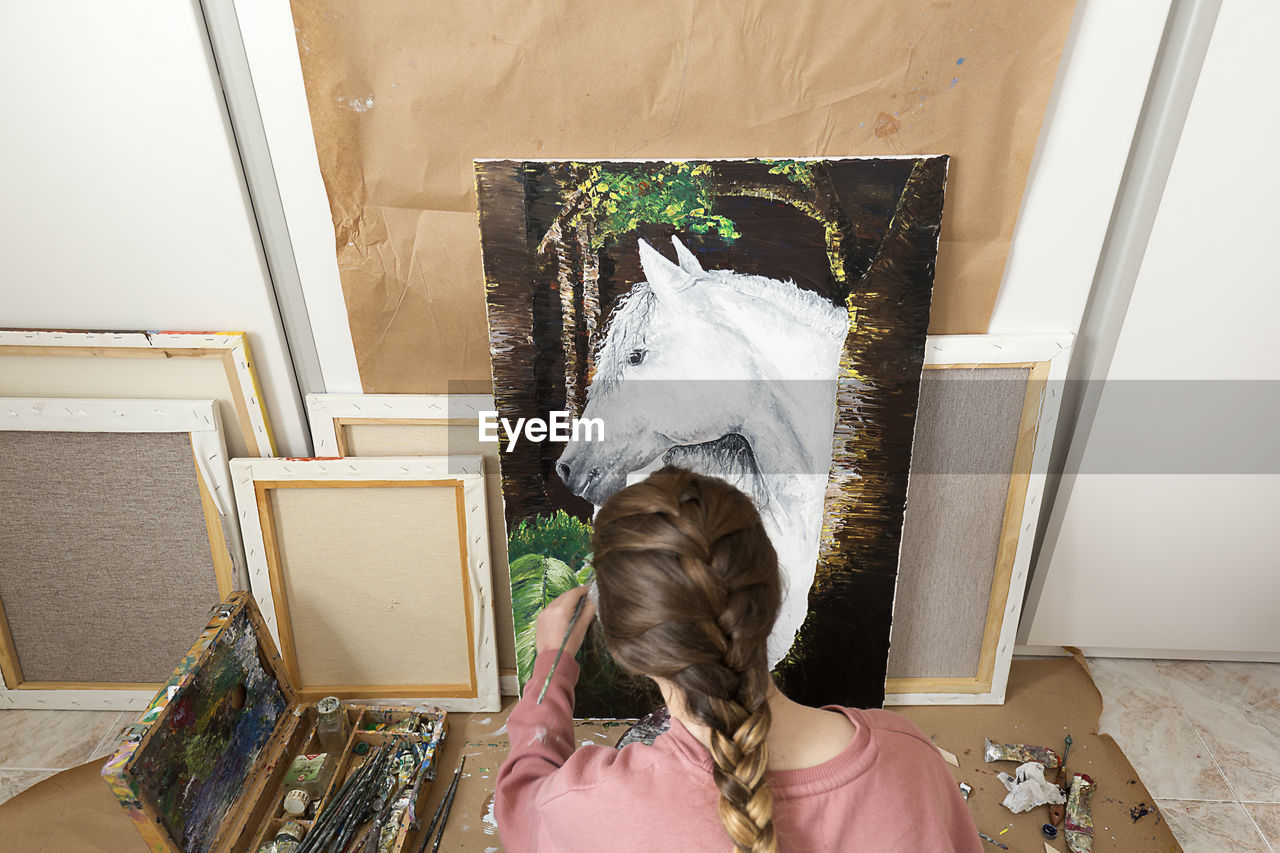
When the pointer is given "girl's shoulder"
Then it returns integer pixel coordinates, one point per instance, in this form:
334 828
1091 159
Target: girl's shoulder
878 719
886 729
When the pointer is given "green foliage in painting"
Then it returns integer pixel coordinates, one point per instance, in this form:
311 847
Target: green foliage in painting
535 581
560 535
798 171
618 198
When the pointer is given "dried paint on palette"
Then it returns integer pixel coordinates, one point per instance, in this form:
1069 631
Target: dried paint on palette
210 737
759 320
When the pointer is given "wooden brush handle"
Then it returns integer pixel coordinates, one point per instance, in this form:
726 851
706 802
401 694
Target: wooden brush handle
1058 811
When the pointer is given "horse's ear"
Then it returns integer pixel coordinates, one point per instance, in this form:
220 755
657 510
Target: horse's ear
688 262
665 278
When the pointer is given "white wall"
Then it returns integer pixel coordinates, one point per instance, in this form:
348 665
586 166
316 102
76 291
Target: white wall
1080 156
125 205
1188 564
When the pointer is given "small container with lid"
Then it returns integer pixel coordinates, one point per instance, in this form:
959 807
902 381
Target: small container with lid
307 779
295 802
332 729
289 837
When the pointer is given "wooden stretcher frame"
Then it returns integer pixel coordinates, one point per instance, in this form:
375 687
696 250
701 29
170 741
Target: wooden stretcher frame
1046 357
254 479
230 348
199 418
331 414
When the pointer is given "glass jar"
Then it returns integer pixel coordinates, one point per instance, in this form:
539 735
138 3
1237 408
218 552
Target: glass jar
332 728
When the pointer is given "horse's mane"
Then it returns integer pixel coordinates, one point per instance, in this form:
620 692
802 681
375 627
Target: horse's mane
804 306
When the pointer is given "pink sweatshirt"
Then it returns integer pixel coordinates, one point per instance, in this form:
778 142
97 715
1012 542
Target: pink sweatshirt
888 791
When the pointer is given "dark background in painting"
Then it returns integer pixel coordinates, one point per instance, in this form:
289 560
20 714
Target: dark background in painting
888 213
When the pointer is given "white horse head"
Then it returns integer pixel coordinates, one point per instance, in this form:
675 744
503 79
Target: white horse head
729 374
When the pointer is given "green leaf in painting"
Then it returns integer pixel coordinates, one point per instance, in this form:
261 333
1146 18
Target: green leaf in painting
535 581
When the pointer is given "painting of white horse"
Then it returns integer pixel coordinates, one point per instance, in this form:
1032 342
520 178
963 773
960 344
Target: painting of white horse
758 320
731 375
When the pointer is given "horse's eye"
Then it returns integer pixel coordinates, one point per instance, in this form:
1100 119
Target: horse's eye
636 356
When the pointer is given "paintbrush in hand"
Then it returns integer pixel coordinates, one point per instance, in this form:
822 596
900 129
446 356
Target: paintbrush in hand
573 622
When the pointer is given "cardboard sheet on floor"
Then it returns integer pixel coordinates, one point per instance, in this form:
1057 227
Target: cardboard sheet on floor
404 95
70 812
74 811
1047 699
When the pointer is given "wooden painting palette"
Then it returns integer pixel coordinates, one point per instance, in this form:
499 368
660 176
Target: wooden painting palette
203 768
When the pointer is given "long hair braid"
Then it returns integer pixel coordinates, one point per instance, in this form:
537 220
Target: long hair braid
689 591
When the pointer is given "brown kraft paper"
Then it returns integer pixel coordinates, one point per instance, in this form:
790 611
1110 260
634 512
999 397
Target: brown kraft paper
405 94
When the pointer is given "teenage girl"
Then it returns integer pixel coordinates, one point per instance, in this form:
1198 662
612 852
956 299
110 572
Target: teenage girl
688 591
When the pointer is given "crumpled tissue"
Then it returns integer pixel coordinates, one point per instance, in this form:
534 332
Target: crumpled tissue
1028 788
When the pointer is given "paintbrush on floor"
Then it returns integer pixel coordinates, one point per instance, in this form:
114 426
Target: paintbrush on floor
442 810
444 819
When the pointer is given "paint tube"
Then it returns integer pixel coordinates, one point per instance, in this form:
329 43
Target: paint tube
409 767
411 725
1021 753
407 761
1080 814
390 830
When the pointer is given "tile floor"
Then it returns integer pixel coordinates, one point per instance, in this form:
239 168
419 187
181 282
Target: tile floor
1204 737
37 744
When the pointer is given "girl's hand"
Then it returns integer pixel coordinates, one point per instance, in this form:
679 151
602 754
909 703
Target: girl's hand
554 620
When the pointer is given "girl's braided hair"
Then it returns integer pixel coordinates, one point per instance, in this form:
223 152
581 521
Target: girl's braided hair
689 591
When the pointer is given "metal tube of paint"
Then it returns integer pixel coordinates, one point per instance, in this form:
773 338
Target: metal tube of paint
1079 824
1021 753
405 803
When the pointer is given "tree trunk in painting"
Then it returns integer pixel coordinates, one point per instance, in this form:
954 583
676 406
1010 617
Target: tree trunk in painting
509 286
872 456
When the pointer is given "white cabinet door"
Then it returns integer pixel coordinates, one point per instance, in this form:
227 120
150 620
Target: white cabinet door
1166 546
